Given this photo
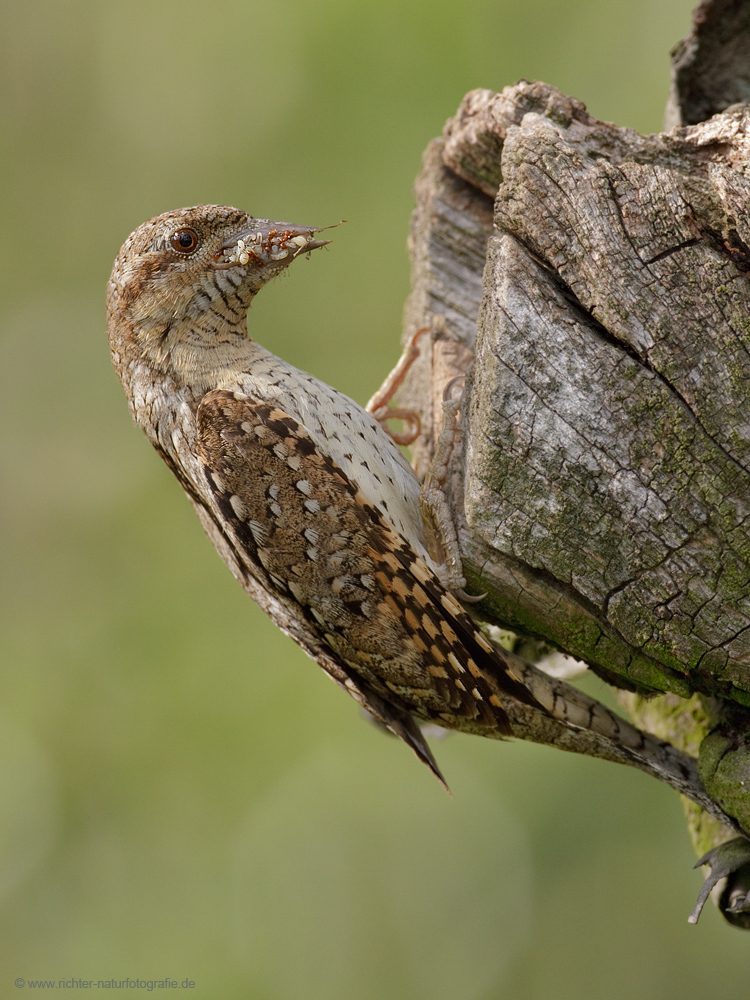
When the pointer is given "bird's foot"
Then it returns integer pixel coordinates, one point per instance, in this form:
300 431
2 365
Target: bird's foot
379 405
440 529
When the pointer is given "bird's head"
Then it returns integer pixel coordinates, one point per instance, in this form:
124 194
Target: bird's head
179 264
182 283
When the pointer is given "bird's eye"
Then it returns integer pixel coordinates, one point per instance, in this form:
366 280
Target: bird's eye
184 240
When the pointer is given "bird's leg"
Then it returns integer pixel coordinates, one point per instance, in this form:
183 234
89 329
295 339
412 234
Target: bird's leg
440 528
379 406
442 539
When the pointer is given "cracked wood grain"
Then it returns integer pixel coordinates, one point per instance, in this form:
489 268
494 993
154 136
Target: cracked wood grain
604 494
600 277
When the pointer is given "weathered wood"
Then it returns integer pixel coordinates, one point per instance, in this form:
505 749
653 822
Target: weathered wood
602 495
604 492
591 283
711 67
450 227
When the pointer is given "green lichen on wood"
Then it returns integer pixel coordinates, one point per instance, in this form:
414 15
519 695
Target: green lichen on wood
724 768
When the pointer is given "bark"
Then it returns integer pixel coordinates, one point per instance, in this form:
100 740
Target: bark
599 280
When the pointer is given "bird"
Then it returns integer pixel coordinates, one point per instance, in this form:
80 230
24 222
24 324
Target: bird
314 508
305 495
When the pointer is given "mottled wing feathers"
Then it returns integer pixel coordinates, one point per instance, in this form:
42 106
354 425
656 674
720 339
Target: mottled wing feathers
479 662
303 528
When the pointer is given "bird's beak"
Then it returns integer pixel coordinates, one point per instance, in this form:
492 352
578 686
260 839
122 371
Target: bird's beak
265 242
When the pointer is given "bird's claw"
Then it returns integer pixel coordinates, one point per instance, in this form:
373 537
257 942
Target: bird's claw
731 858
470 598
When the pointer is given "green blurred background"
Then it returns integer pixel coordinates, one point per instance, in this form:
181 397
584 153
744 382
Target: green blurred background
182 793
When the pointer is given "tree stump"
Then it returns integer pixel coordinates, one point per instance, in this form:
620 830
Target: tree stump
592 285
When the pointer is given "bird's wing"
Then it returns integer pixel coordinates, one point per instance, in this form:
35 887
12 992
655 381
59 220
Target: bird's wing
377 610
